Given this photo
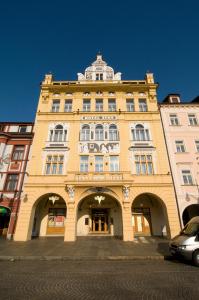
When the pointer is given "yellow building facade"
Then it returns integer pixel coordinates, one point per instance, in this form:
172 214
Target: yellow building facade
99 164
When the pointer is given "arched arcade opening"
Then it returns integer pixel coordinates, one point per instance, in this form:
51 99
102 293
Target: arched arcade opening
4 220
190 212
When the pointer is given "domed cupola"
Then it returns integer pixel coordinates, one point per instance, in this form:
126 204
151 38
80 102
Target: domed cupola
99 71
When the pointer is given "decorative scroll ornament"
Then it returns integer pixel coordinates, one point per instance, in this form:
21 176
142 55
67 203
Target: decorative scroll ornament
126 190
53 198
71 191
99 198
4 160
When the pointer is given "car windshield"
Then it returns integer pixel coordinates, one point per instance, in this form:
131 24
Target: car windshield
191 229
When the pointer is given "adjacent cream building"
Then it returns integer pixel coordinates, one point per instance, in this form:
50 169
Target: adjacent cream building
99 164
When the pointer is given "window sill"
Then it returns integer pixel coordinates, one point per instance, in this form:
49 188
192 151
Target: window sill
182 152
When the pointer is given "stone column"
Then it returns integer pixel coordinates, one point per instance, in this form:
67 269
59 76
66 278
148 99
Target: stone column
70 225
128 234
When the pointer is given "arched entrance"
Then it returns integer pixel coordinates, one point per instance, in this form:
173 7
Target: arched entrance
99 214
49 217
4 220
149 216
190 212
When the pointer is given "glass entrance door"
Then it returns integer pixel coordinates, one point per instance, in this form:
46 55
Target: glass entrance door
99 221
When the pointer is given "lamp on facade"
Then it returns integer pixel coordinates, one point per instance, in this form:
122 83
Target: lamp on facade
53 198
99 198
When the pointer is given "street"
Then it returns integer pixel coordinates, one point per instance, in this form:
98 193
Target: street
95 279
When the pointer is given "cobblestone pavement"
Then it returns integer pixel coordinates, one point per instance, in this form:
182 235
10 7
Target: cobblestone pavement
93 280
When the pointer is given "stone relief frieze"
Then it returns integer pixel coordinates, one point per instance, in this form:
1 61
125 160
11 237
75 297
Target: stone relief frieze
99 148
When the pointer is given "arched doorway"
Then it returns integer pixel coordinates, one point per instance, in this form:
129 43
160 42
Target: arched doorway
4 220
49 217
190 212
149 216
99 214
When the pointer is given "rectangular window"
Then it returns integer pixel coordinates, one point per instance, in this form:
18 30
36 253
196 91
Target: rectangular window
187 178
142 105
11 182
18 153
84 163
111 105
54 164
174 120
114 163
98 163
130 105
68 105
192 120
99 76
55 106
22 129
197 145
143 165
99 104
180 146
86 104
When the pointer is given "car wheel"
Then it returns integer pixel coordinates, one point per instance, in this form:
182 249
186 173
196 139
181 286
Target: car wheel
196 258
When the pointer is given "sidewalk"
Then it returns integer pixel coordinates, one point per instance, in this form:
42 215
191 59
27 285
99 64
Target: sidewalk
85 248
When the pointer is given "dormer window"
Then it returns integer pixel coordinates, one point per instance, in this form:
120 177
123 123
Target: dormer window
99 76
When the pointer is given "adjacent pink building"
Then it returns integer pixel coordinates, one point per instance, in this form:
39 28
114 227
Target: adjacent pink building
181 129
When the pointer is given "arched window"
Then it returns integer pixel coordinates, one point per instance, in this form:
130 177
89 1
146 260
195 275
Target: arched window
113 133
85 133
58 134
99 133
140 133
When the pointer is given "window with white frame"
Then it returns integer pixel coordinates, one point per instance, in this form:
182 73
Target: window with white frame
18 152
114 163
174 119
84 163
192 119
130 105
99 163
140 133
187 178
99 104
144 164
54 164
113 133
11 182
142 105
58 134
197 145
111 104
85 133
55 106
99 133
68 105
86 104
180 147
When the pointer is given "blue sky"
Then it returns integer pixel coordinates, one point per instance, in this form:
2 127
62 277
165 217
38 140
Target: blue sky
64 36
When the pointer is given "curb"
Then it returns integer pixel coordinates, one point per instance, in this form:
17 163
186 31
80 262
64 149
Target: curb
81 258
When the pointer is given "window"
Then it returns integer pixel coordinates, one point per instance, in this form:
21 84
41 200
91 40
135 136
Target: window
86 105
174 120
187 178
99 105
192 120
143 164
85 133
84 163
22 129
197 145
18 153
54 165
140 133
68 105
180 146
99 76
11 182
98 163
55 106
99 133
113 133
114 163
111 104
130 105
142 105
58 134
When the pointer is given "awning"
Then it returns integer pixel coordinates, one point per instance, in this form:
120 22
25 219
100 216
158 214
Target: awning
4 211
